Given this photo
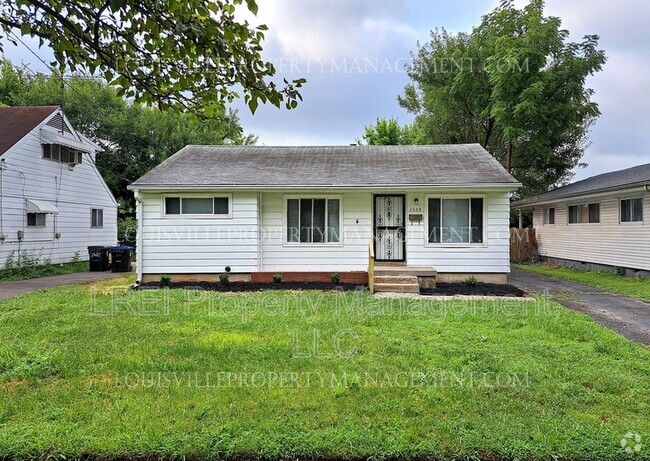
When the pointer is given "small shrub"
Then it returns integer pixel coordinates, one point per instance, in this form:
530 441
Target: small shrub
620 271
224 278
165 280
76 258
336 278
277 278
471 281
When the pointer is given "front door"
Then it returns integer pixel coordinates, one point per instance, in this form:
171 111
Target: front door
390 235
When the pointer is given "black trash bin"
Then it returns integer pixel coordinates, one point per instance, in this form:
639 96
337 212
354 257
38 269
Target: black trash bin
98 258
121 258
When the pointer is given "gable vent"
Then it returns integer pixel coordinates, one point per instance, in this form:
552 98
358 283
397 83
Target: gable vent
58 123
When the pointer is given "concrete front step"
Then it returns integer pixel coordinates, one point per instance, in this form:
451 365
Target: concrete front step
397 287
396 279
395 271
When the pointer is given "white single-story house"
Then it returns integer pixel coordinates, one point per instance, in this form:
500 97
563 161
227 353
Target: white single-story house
53 200
598 223
307 212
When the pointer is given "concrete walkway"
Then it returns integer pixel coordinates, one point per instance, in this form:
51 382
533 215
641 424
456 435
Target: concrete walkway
11 289
625 316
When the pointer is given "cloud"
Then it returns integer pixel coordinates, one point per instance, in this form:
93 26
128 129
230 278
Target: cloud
332 28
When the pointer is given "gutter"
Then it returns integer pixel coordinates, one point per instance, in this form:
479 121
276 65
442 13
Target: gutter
257 187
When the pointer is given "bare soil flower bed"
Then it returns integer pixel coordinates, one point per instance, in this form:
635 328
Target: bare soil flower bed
242 287
479 289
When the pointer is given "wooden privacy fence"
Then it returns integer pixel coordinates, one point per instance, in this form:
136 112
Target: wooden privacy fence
523 244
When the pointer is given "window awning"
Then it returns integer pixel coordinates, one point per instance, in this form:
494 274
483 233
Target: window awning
49 137
41 206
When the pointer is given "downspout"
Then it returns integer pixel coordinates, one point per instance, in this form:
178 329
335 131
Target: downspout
260 233
3 167
138 238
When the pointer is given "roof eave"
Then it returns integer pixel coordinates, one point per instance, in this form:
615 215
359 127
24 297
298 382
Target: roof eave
500 186
643 185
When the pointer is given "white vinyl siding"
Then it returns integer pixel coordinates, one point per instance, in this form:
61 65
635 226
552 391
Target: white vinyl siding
74 192
198 244
609 243
492 256
349 254
195 245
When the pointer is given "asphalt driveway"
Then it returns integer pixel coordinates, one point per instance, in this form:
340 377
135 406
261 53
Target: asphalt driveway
11 289
625 316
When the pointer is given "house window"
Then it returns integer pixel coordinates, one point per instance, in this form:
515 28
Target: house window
96 217
63 154
313 220
207 206
36 219
586 213
632 210
549 216
455 220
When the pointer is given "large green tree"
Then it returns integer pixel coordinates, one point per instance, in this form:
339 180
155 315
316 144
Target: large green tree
516 85
135 138
187 54
387 132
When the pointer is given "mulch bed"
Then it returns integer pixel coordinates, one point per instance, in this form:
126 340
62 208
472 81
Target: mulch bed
480 289
241 287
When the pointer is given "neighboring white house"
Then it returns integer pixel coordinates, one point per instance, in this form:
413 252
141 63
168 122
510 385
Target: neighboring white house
309 211
53 200
601 222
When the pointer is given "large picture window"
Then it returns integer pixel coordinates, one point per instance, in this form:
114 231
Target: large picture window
586 213
455 220
632 210
313 220
208 206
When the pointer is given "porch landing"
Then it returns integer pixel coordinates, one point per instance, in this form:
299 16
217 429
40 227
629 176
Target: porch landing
403 279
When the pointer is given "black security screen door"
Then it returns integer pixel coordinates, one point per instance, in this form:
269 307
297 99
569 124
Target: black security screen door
390 235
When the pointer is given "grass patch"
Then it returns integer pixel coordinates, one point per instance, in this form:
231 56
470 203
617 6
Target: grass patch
637 288
104 372
42 270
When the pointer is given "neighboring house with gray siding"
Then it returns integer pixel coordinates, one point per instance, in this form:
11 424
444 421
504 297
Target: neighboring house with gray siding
53 200
309 211
601 222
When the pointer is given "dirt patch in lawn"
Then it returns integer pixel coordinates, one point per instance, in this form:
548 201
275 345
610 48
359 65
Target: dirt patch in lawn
242 287
479 289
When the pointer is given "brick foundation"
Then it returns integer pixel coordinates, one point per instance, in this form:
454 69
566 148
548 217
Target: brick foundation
357 278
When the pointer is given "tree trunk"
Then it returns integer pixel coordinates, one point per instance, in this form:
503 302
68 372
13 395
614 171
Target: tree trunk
509 157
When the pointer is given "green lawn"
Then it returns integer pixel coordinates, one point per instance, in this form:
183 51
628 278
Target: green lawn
638 288
103 373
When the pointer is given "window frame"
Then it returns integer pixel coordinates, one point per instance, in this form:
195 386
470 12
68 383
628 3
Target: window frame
181 215
581 204
37 225
285 227
78 155
630 222
546 214
442 197
92 213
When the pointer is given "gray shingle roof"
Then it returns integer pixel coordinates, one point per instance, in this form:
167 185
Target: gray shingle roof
335 166
616 180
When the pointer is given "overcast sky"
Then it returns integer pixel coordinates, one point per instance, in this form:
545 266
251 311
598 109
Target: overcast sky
352 52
